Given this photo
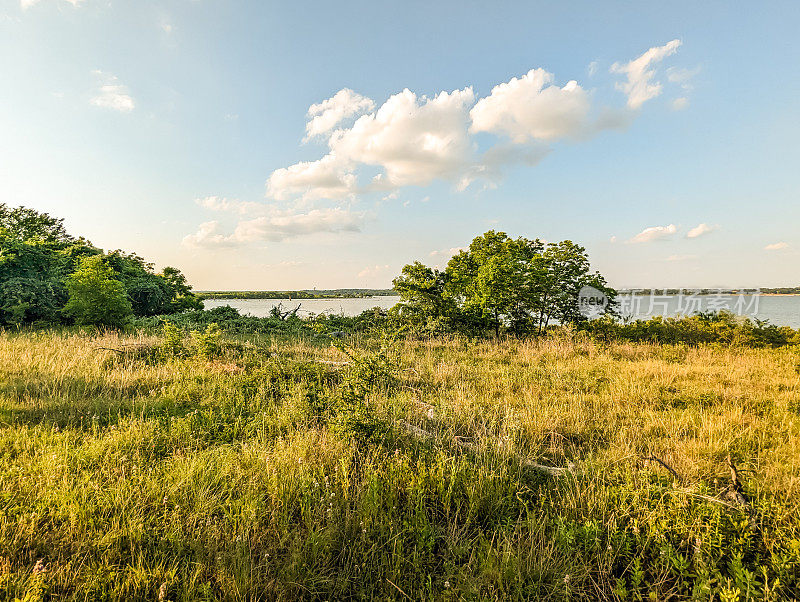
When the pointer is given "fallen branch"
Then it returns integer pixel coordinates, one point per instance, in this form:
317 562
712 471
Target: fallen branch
674 472
734 490
553 471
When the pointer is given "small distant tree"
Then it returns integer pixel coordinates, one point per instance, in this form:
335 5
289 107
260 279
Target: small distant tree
95 296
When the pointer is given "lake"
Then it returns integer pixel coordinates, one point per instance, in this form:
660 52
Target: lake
782 310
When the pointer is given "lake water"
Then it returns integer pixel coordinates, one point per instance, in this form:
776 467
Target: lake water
782 310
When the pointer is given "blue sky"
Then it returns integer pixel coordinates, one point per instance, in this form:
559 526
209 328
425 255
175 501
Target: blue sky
290 145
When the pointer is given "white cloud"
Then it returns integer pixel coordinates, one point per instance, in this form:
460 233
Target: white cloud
679 104
654 233
639 72
326 178
208 236
216 203
278 225
447 252
681 257
531 107
25 4
777 246
328 114
373 271
112 95
701 229
286 224
414 140
682 77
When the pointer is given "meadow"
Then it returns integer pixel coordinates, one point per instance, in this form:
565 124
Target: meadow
177 466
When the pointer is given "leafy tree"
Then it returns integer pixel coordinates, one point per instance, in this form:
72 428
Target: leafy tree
181 295
490 279
95 296
30 301
498 283
152 294
25 224
563 270
421 291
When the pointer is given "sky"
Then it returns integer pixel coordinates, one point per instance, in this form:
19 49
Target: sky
284 145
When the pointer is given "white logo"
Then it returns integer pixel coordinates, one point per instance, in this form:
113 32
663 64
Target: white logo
592 303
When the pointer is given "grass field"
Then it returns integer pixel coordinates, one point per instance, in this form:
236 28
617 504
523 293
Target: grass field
199 469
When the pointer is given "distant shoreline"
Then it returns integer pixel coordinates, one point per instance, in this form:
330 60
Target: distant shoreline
348 293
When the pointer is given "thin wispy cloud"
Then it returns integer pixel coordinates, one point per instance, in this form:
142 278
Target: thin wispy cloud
777 246
216 203
111 94
681 257
640 73
700 230
25 4
374 271
278 225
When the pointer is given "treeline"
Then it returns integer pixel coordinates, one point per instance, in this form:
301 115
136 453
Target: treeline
340 293
49 277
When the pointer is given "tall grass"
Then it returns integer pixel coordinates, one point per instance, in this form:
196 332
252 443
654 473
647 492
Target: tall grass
279 469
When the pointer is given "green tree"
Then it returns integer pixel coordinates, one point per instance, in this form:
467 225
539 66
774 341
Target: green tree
181 295
489 280
421 291
520 285
563 269
25 224
95 296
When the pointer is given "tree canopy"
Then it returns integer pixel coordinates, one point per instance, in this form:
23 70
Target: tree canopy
44 270
500 284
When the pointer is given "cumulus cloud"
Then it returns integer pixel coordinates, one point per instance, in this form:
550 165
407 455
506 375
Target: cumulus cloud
701 229
278 225
777 246
654 233
326 178
532 108
328 114
640 86
111 94
412 140
209 236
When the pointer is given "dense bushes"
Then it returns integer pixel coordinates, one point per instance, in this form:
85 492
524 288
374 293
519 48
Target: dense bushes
41 281
720 328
